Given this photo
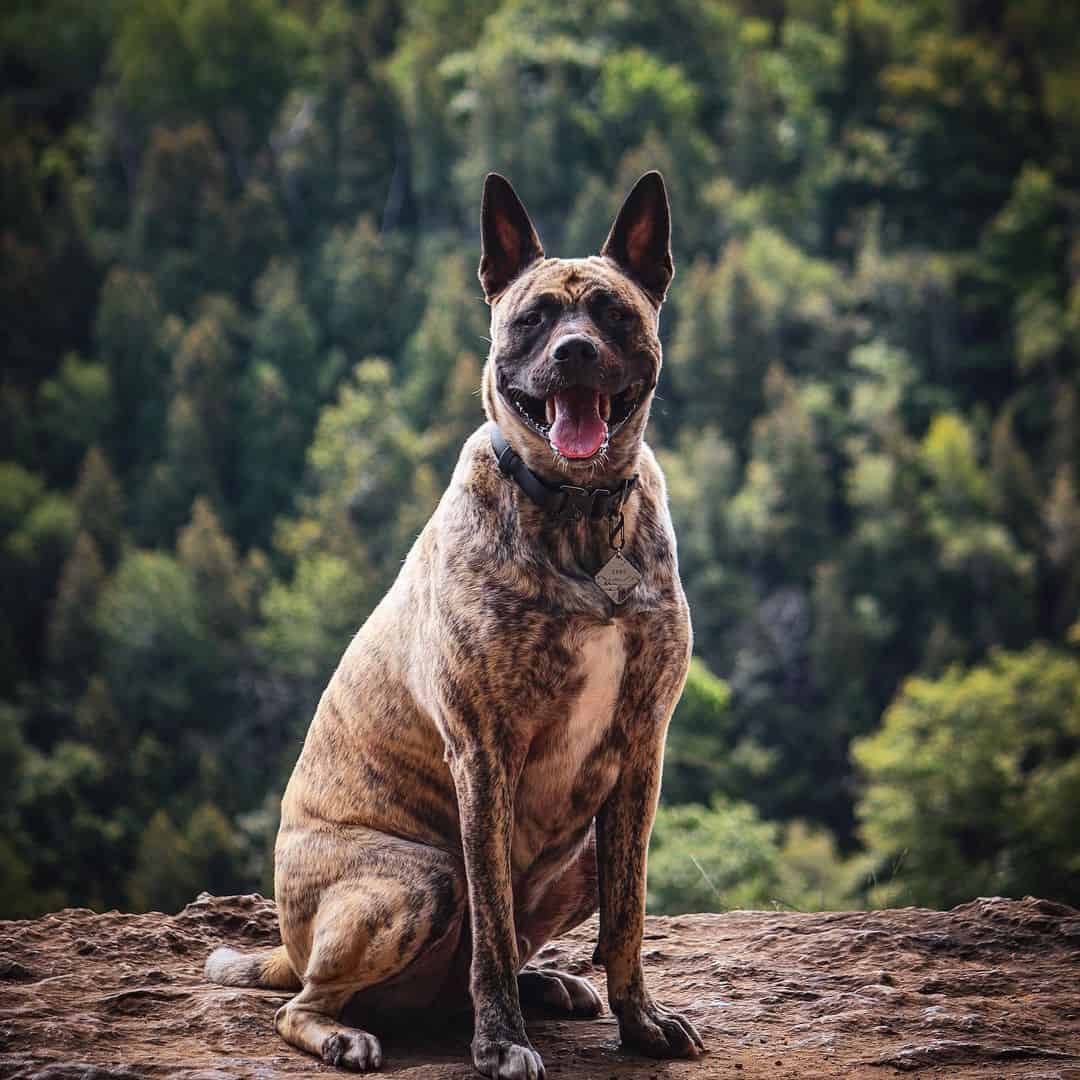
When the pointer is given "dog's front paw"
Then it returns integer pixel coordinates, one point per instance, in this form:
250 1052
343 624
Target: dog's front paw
502 1059
657 1031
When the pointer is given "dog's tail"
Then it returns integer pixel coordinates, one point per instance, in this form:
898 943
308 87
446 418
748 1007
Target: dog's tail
269 969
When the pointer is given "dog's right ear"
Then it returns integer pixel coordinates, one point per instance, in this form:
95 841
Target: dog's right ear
509 243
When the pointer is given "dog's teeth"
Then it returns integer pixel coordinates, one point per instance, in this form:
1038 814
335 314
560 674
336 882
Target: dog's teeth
605 408
549 410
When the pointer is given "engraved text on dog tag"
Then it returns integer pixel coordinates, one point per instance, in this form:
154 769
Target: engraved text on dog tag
618 577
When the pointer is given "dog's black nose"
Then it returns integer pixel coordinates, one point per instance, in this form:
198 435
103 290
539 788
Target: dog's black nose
574 349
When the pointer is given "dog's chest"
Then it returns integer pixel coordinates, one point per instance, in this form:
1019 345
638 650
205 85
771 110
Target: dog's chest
574 759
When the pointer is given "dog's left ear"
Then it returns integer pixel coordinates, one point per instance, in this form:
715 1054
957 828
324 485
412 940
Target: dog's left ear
640 239
508 239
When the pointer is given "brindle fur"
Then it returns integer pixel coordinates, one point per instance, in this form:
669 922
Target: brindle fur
484 766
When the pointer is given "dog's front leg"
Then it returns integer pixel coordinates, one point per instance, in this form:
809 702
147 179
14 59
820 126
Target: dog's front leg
622 839
484 776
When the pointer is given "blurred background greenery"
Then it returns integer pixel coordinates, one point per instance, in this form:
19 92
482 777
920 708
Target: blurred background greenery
243 336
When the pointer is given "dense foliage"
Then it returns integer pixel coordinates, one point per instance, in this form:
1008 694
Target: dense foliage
243 335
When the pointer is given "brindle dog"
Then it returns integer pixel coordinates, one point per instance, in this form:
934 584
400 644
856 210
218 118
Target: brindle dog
483 768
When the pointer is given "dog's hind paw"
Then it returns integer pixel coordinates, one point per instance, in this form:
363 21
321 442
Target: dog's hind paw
567 995
353 1049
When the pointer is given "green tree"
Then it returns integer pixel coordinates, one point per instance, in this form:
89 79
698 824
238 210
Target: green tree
19 896
179 221
228 64
1061 517
270 458
217 850
164 877
993 593
73 643
339 140
369 490
702 476
257 231
309 621
355 290
200 426
76 847
37 529
702 754
957 99
449 326
75 410
723 348
971 782
99 503
724 856
220 582
128 339
782 510
156 652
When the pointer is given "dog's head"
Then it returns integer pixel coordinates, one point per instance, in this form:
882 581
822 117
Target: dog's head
575 351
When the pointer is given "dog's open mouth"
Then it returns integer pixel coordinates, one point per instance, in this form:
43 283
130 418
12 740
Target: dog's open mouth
579 421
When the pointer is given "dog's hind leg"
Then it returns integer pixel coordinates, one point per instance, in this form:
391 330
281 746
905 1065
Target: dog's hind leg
310 1022
389 929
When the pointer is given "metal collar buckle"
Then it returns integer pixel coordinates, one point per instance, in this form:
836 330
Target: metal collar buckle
575 505
579 502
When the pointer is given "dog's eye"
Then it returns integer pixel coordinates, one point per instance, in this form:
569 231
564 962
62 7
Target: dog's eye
531 318
615 314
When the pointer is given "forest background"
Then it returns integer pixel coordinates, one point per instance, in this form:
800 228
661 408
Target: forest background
243 336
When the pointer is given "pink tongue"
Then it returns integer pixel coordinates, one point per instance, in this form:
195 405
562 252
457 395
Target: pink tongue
578 431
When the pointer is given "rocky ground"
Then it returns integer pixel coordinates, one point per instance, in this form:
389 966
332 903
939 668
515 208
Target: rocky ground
989 989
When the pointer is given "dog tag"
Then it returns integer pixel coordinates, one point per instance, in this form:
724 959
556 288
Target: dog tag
618 577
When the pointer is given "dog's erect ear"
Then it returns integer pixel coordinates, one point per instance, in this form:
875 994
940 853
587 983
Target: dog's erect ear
508 240
640 239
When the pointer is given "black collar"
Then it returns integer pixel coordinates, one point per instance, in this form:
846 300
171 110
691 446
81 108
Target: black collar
564 502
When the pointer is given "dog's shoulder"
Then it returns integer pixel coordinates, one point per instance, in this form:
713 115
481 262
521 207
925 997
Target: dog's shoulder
653 528
476 479
480 541
477 512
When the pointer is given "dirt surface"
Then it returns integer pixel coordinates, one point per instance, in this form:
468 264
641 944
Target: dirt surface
991 988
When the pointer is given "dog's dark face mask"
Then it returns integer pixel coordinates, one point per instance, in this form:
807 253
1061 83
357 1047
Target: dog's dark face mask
575 353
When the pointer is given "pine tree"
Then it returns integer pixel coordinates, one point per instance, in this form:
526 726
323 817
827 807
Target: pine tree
450 325
75 409
354 294
100 725
100 504
270 461
165 875
1061 517
73 644
158 659
127 340
179 228
459 414
217 851
209 556
285 335
1014 482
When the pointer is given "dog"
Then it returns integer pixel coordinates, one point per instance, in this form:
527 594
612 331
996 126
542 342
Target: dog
483 769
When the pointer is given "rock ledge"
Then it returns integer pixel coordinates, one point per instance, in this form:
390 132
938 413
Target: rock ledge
989 989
